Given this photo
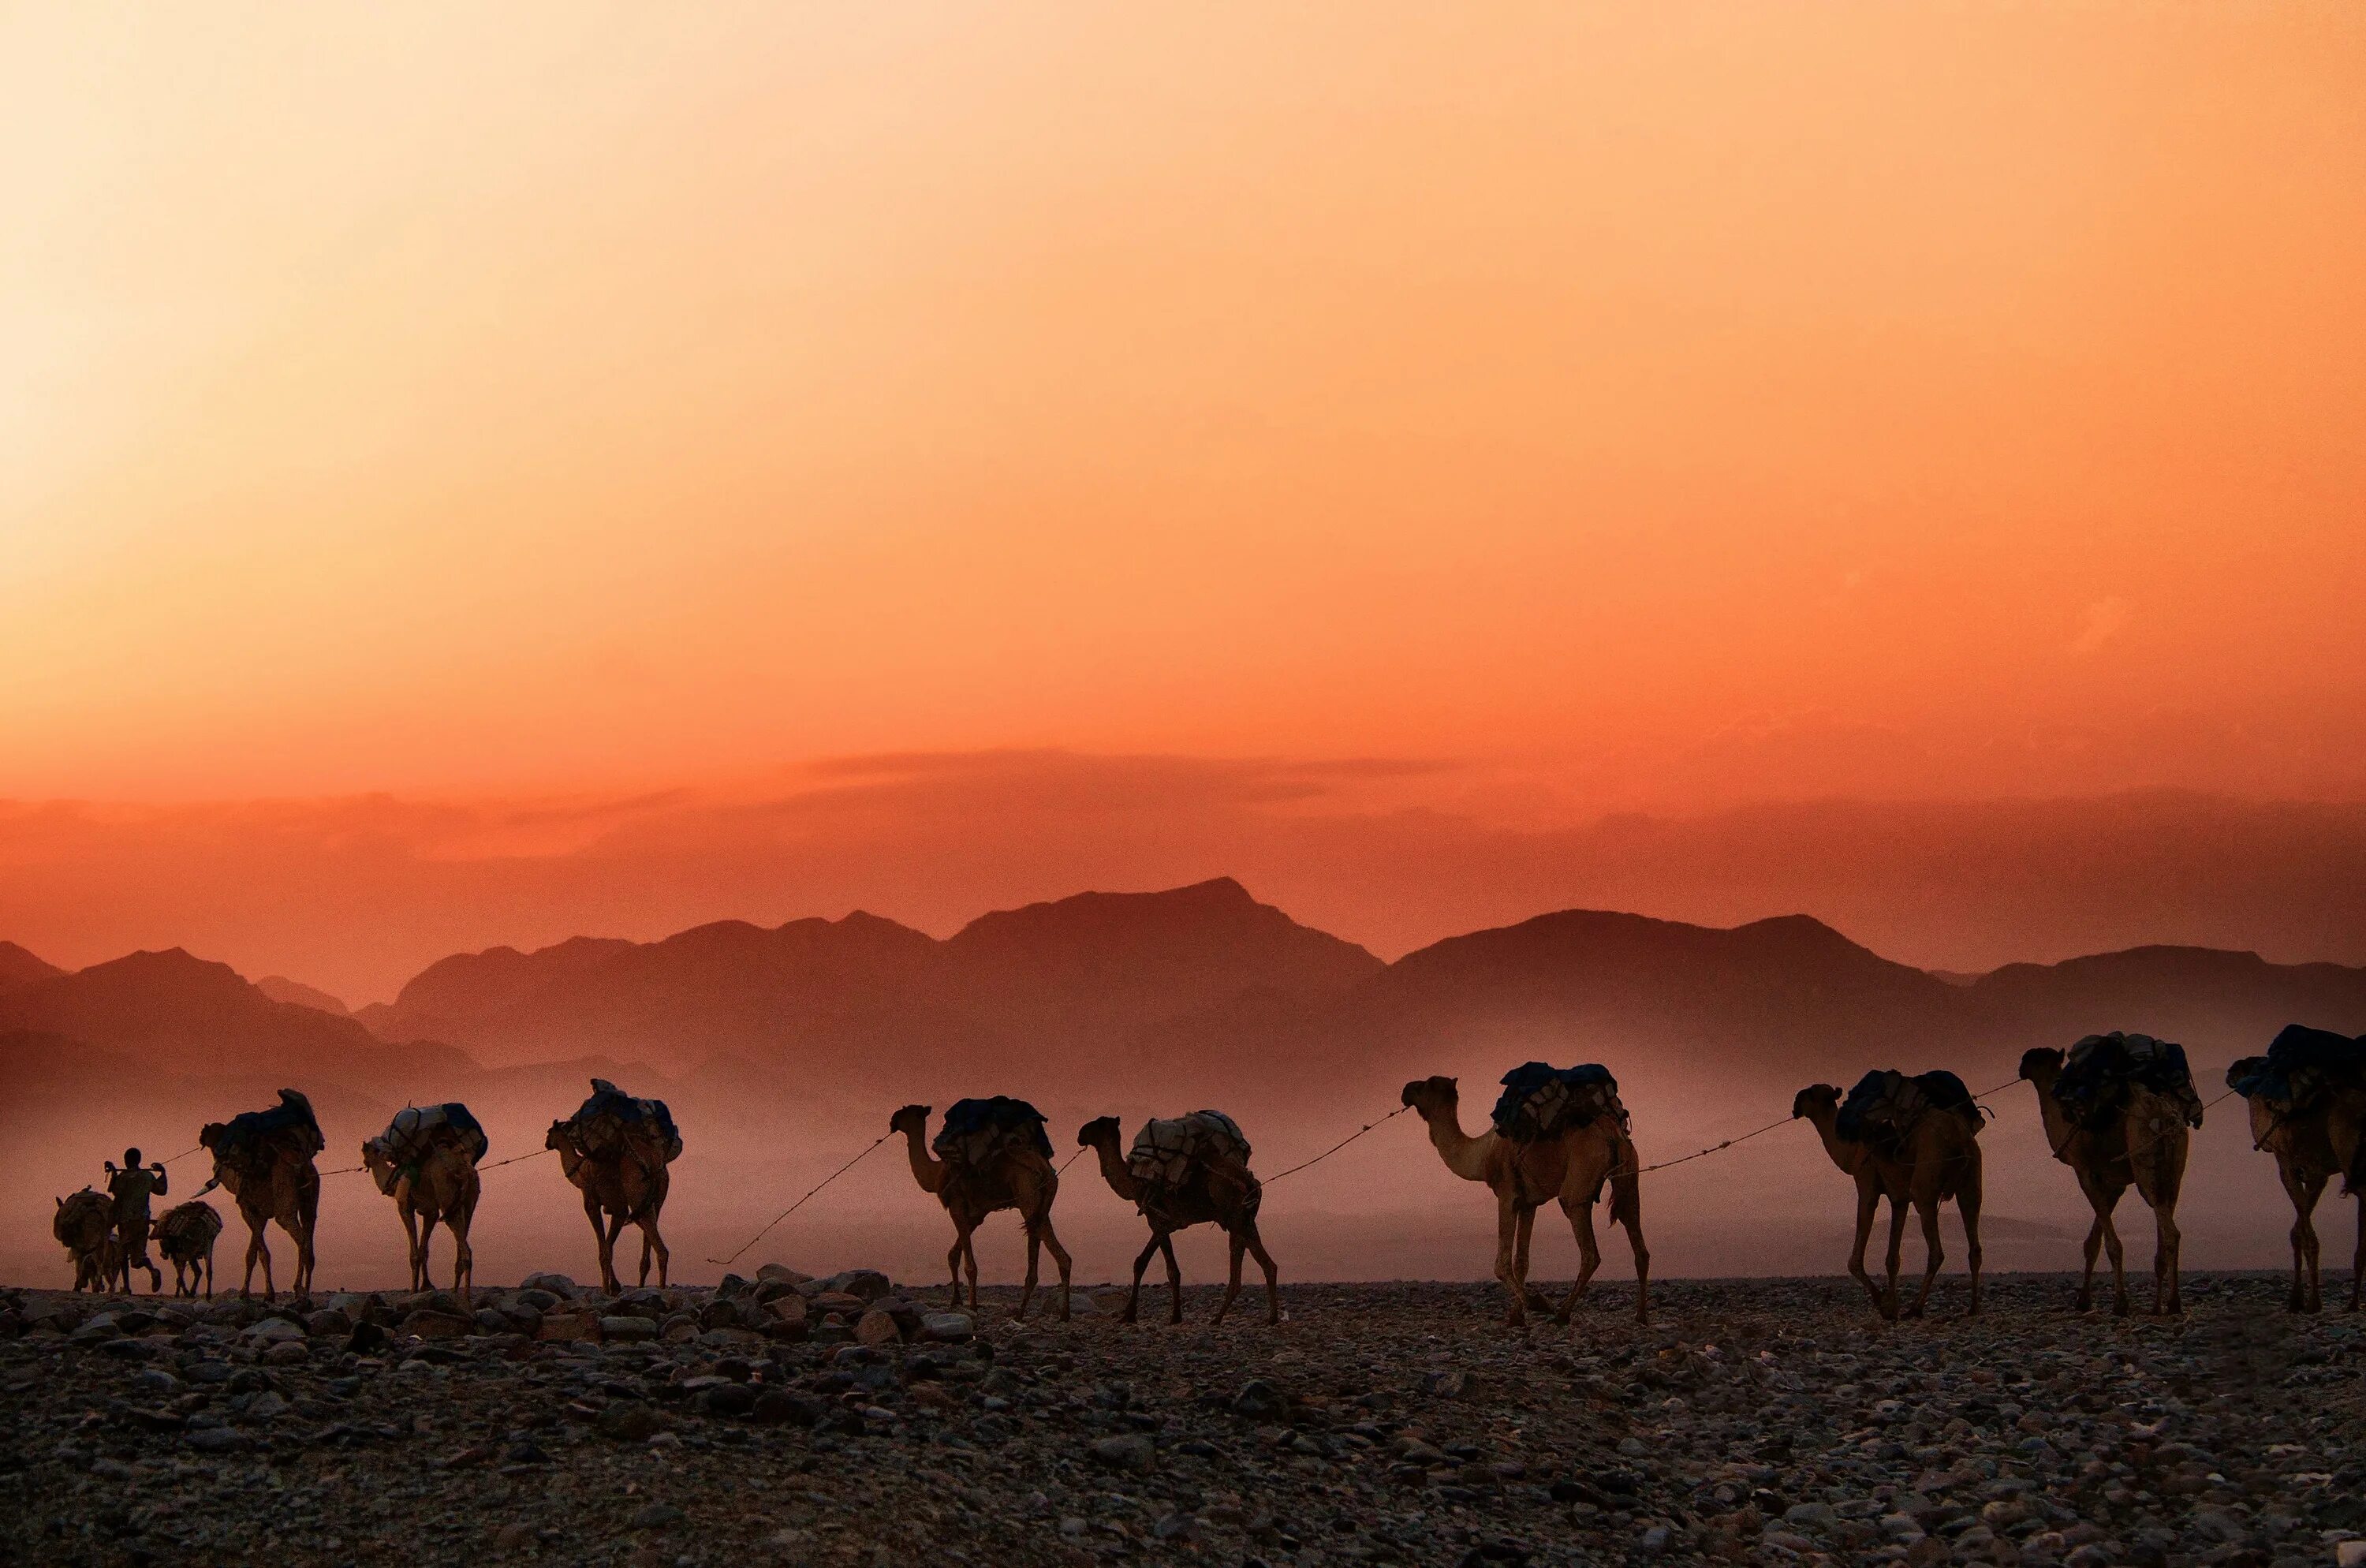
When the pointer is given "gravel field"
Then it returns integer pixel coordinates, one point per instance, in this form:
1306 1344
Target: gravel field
786 1420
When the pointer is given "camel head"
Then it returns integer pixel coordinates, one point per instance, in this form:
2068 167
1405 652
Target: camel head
210 1135
912 1120
1432 1097
2040 1059
380 1163
1814 1098
1101 1132
2238 1071
562 1137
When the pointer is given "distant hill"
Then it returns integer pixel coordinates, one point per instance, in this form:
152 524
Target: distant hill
1200 993
280 988
172 1012
19 968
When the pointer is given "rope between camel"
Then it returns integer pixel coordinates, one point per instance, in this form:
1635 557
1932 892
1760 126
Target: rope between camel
800 1203
1342 1143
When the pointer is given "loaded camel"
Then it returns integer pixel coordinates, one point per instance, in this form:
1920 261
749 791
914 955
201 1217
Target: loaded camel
1014 1173
2141 1141
1524 1176
1937 1158
84 1226
1214 1183
426 1161
2309 1110
618 1151
185 1233
263 1160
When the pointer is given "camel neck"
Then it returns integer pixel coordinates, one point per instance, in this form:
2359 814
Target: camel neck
1114 1171
1466 1156
927 1168
1846 1153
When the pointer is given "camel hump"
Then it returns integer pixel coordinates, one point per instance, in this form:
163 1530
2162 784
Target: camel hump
1883 1107
418 1131
1540 1101
2101 1071
1167 1152
253 1140
610 1121
977 1131
2304 1067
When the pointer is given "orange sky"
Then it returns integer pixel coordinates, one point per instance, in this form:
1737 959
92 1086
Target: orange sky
1616 407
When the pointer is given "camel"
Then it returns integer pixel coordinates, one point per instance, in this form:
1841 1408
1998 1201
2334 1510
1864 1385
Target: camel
431 1180
1940 1160
185 1233
1224 1192
2143 1142
1571 1169
84 1226
629 1184
2322 1136
263 1160
1016 1177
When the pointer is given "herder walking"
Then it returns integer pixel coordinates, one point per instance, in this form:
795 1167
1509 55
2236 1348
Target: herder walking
131 1187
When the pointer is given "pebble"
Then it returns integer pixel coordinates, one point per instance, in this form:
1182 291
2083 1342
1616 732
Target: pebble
1766 1420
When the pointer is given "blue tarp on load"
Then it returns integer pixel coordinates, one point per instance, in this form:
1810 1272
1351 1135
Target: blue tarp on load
1540 1101
2100 1069
1884 1102
971 1123
292 1114
2302 1063
629 1114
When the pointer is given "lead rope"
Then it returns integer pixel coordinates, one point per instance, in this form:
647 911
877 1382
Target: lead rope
1342 1143
800 1203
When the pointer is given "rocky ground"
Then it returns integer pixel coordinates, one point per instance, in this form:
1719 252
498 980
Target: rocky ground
785 1420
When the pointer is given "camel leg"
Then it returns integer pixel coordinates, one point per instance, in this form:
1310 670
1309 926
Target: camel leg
426 1275
1273 1275
1868 1204
410 1219
1535 1299
953 1265
2304 1189
1589 1255
2117 1252
1928 1208
1626 1209
1140 1265
1897 1251
2167 1243
1508 1229
1060 1260
464 1258
2358 1257
1174 1281
2085 1300
1967 1208
1239 1245
610 1228
308 1214
653 1240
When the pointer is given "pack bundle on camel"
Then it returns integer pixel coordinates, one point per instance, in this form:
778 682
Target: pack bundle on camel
1913 1140
85 1226
991 1154
2307 1097
426 1161
1558 1135
2118 1111
1184 1171
185 1233
265 1159
617 1151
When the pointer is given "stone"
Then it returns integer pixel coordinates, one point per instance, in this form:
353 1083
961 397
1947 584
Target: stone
656 1516
1130 1450
877 1328
948 1327
1260 1401
626 1329
274 1331
864 1284
630 1420
558 1286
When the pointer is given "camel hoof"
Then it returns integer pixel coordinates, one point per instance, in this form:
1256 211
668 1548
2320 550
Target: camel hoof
2118 1309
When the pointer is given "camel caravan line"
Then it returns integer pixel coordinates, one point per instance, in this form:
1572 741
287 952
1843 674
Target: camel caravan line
2118 1110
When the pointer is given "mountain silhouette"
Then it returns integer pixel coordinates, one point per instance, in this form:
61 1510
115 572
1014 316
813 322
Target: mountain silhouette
280 988
19 968
1198 991
172 1013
